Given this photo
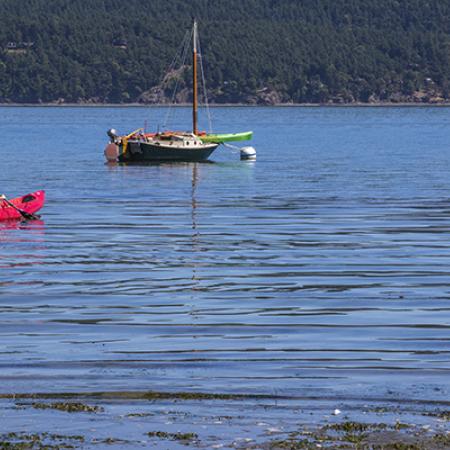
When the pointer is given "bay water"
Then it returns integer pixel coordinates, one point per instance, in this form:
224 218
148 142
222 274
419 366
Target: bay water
319 272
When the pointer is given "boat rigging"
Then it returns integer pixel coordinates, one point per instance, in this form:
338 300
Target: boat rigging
191 145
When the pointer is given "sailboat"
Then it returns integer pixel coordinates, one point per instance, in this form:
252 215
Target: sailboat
193 145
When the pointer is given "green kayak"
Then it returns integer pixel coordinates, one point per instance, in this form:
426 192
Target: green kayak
228 137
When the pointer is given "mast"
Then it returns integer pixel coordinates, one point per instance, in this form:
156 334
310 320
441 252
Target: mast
194 80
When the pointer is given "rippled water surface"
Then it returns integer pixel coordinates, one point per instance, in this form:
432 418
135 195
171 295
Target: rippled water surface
321 270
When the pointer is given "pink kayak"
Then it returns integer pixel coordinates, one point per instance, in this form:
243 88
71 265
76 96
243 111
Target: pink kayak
29 203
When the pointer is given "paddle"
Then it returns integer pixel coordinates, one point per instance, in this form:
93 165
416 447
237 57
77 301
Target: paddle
23 213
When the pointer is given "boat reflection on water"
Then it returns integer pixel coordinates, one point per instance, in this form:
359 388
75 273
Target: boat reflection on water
15 239
171 171
115 164
34 226
195 232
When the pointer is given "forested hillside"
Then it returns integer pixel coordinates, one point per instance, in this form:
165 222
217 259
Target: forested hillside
254 51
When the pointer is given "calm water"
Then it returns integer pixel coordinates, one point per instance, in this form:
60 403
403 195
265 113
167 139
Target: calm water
322 270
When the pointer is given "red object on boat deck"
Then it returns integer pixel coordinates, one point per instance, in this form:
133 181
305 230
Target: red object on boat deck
29 203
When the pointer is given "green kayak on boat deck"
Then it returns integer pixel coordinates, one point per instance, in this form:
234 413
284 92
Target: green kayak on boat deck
227 137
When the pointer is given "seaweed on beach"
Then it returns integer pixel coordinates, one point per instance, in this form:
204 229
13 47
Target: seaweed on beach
70 407
39 441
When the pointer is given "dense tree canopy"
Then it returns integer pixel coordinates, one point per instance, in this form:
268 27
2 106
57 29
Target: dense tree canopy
264 51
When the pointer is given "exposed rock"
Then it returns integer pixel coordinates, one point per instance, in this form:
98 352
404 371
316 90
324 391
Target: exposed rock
268 96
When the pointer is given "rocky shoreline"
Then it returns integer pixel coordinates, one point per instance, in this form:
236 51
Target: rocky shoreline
230 105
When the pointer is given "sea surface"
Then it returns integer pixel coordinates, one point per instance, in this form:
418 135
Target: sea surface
316 277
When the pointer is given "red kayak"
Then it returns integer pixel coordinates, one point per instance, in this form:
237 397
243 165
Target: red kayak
29 203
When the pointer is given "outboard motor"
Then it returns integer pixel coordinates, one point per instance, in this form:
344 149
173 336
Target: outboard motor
112 134
112 149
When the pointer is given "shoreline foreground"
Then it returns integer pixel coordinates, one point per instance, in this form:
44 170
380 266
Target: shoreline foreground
214 420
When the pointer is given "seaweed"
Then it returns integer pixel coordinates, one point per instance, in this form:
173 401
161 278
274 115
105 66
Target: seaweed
173 436
69 407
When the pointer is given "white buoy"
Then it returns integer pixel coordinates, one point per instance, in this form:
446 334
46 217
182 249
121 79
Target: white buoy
248 153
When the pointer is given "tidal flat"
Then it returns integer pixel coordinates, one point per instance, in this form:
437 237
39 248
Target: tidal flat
207 420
